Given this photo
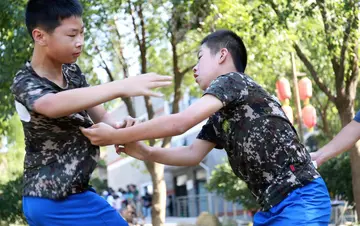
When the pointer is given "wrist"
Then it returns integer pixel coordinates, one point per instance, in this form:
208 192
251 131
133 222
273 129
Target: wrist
114 136
120 88
150 151
322 157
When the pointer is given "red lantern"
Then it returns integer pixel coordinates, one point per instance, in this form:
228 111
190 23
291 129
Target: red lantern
309 116
305 88
288 112
283 89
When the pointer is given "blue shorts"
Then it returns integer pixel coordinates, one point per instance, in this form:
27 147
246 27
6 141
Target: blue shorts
309 205
86 208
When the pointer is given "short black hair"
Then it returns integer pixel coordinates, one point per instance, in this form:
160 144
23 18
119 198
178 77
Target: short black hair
48 14
228 39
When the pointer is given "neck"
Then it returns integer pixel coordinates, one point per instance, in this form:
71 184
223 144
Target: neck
227 69
45 66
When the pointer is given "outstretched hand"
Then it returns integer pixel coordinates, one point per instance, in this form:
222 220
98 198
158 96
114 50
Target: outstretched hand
137 150
102 134
99 134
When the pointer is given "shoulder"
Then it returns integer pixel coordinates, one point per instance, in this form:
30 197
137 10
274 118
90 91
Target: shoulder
231 80
25 76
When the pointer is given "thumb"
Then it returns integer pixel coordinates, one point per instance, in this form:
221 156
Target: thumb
119 149
87 131
119 125
83 130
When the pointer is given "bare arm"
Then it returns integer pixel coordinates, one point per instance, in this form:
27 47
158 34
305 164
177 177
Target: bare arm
75 100
342 142
177 156
99 114
163 126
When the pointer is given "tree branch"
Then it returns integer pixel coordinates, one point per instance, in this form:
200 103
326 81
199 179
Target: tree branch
142 26
183 72
353 69
344 46
323 113
339 76
354 65
134 24
105 66
313 73
192 51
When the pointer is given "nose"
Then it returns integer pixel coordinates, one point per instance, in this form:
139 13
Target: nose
195 69
80 41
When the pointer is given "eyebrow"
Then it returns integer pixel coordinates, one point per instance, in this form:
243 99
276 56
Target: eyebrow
75 29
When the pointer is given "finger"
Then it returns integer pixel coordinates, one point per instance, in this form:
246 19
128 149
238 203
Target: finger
160 78
132 122
119 125
154 94
94 142
86 132
95 126
159 84
120 149
129 122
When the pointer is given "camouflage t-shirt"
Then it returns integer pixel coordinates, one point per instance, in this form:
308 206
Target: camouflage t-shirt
59 159
262 146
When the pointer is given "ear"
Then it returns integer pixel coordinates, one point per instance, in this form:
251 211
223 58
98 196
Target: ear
223 54
39 36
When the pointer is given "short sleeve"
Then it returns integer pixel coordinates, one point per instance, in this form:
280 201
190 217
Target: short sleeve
28 88
208 133
357 117
228 88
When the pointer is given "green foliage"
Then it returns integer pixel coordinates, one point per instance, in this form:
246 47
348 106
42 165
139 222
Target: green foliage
11 167
15 49
225 183
12 161
338 183
10 202
98 184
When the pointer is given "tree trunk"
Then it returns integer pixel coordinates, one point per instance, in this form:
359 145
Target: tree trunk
156 170
355 174
158 212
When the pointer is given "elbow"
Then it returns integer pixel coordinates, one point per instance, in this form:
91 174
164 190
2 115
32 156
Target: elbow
194 163
197 158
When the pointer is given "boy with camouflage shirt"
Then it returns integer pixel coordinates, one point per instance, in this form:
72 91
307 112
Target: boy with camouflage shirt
262 146
53 100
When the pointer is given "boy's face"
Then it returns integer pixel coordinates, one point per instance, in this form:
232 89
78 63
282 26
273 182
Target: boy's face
205 71
65 43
